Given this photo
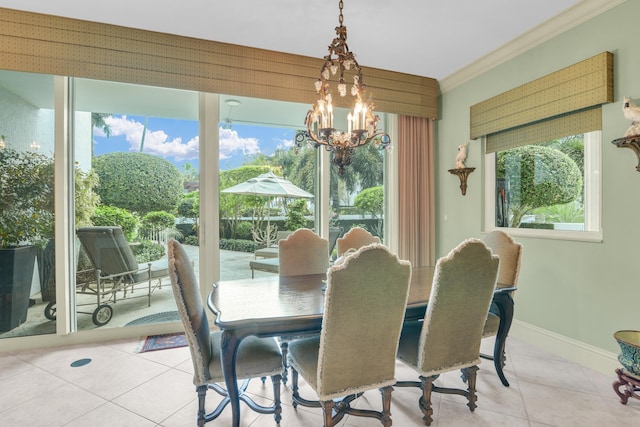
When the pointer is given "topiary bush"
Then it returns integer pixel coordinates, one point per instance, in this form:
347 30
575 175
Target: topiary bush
114 216
138 182
546 177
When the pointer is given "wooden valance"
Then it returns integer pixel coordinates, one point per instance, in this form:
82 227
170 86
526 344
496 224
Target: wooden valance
47 44
578 87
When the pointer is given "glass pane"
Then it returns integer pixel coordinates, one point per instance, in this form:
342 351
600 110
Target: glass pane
253 219
27 270
142 145
541 186
357 196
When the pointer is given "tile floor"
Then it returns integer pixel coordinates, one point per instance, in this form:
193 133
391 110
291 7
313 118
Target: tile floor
120 387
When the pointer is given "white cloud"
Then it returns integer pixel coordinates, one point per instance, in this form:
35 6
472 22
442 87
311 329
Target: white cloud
285 143
231 144
157 142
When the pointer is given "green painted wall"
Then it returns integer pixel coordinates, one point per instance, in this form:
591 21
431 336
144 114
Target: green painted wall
584 291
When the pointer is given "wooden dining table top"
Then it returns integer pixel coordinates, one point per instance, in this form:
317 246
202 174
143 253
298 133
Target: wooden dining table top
238 303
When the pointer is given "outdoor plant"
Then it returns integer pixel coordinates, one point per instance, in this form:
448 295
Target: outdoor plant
546 177
26 198
243 230
370 200
148 251
114 216
158 222
296 215
138 182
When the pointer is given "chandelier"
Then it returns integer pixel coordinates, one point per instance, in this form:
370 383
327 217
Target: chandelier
361 121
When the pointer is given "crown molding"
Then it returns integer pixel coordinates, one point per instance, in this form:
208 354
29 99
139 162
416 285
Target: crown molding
570 18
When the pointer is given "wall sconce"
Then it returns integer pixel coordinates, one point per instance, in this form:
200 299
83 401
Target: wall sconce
462 173
632 142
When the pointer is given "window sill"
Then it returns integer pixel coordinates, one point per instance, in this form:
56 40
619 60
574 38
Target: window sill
579 236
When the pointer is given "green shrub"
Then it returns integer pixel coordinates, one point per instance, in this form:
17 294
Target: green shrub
192 240
26 198
238 245
370 200
114 216
296 215
138 182
147 251
244 230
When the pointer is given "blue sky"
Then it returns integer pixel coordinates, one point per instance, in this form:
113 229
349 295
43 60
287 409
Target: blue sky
177 140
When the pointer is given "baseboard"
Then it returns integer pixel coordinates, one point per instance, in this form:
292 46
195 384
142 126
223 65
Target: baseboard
573 350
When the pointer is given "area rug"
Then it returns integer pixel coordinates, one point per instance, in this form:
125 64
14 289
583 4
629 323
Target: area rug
162 342
165 316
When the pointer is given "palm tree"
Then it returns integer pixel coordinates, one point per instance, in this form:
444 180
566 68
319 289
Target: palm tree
97 121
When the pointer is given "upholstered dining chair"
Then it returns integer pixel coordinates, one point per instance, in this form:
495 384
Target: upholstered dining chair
257 357
303 252
355 238
449 337
364 307
501 312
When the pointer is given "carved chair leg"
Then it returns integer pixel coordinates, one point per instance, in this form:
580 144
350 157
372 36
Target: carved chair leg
202 394
294 386
277 406
470 373
386 405
426 384
327 409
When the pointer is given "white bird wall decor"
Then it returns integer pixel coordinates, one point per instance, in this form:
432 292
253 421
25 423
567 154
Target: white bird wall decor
461 157
631 112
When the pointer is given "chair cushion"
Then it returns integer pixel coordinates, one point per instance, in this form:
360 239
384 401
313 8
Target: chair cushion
491 325
256 357
304 358
159 269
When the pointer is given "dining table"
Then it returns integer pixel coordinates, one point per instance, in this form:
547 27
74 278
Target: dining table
280 306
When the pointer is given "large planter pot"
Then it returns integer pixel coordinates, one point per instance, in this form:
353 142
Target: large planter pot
16 274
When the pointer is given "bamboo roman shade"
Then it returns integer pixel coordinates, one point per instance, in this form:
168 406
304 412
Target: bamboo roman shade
39 43
560 104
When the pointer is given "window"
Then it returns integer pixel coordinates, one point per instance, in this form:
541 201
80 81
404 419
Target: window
547 189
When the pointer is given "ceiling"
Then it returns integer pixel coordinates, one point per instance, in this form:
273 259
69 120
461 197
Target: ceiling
449 40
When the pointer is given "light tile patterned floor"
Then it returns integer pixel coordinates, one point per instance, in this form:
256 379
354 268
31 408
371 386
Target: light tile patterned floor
120 387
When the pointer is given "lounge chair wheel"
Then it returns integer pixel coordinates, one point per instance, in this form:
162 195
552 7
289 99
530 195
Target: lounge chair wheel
102 315
50 311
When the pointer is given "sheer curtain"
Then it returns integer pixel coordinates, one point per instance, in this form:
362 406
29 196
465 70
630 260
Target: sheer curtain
416 190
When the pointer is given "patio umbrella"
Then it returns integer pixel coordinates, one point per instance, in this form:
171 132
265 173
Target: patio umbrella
269 185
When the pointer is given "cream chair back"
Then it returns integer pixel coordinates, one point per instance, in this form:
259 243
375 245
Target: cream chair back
510 253
355 238
303 252
461 293
365 302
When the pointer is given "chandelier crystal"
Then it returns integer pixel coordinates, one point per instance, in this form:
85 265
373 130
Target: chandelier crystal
361 121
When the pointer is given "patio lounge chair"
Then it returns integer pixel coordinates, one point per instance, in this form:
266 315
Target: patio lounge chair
117 273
